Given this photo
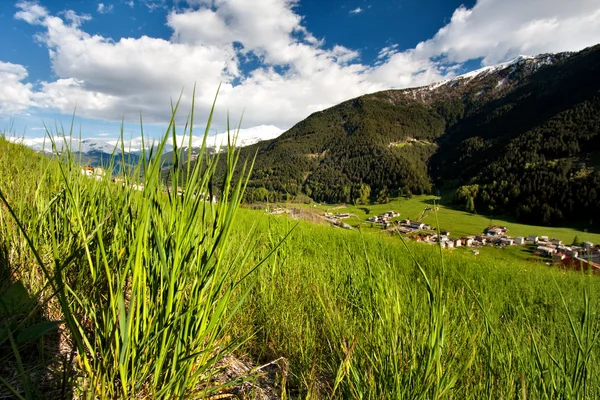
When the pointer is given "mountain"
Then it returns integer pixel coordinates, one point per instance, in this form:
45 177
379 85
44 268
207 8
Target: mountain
97 151
519 138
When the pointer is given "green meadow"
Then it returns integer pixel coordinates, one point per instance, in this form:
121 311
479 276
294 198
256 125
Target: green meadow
113 293
459 223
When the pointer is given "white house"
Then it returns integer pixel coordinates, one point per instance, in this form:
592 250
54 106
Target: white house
532 239
519 240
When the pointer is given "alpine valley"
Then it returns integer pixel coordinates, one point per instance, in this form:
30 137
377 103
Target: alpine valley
518 139
521 138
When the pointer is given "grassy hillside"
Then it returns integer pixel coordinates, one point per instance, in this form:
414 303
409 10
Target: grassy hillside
150 291
356 316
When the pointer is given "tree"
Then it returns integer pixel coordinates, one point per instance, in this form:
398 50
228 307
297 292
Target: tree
261 194
470 206
383 197
364 194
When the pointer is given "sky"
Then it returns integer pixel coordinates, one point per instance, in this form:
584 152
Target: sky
107 64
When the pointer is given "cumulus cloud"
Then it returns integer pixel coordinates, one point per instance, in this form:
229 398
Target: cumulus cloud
109 80
499 30
16 95
297 73
357 10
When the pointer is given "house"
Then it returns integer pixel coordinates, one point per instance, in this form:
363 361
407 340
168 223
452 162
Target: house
580 264
119 181
416 225
468 241
545 251
506 241
496 230
449 244
99 173
493 240
558 258
87 170
372 219
532 239
519 240
556 241
544 238
457 242
587 245
445 233
341 216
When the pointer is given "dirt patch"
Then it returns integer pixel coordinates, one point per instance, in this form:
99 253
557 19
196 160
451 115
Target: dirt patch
264 382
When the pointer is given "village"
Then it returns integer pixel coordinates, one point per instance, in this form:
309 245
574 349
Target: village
575 256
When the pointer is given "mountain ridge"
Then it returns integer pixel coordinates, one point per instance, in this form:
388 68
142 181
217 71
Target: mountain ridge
410 140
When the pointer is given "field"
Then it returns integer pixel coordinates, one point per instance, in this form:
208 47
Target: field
110 292
459 223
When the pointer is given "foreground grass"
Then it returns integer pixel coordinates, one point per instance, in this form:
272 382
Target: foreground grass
146 287
135 279
357 318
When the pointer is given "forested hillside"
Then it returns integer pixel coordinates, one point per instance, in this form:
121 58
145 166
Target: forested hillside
519 138
532 153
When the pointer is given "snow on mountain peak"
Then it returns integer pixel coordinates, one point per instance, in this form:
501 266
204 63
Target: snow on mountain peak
246 137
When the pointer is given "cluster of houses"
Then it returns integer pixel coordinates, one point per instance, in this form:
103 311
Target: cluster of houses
492 236
575 256
336 220
582 256
407 226
93 172
384 220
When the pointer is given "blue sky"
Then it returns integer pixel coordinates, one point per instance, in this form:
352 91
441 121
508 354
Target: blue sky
277 60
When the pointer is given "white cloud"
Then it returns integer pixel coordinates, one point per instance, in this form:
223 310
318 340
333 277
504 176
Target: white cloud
154 5
387 51
357 10
499 30
105 9
297 73
31 13
75 18
15 96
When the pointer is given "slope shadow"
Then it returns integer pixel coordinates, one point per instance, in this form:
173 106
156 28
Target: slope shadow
37 368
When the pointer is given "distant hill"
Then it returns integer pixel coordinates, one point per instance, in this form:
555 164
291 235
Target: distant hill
519 138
